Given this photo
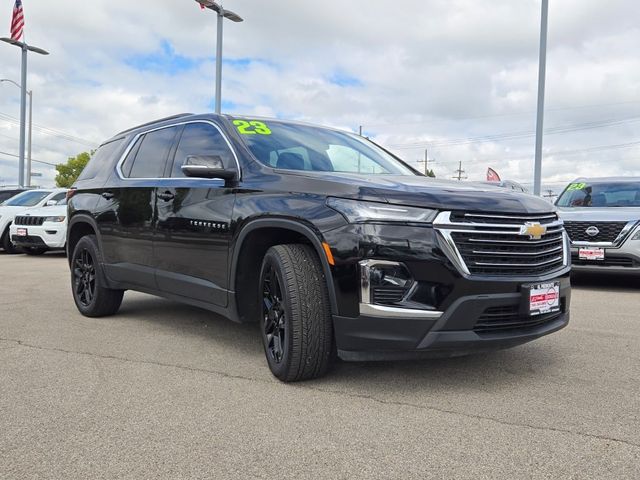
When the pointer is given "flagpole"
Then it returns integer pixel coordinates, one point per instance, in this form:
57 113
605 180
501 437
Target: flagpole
23 116
17 32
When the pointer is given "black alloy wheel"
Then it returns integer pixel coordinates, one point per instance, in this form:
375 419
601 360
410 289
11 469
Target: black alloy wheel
296 323
84 273
274 316
88 282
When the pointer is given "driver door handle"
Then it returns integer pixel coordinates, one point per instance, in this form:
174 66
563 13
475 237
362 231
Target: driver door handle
166 196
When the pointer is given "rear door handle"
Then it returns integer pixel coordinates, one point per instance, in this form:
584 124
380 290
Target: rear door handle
107 195
166 196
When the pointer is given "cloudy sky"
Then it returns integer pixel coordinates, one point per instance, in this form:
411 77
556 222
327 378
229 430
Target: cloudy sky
456 77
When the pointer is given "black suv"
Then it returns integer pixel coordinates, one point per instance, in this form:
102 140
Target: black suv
332 243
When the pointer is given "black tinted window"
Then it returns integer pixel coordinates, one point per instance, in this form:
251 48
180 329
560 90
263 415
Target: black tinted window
59 198
152 154
128 162
100 159
201 139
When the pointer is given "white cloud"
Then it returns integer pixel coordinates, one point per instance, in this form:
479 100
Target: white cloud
415 74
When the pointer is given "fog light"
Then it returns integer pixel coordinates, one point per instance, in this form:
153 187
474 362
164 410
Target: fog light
383 282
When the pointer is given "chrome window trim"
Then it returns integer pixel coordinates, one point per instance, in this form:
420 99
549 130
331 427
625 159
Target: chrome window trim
178 124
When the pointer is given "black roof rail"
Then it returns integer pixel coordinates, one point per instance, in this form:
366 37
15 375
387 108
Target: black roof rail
172 117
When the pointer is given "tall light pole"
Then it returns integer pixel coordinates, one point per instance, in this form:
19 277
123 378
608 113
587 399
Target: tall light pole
222 14
30 133
23 99
542 68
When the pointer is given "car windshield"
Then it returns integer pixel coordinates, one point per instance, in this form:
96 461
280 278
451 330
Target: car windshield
601 194
26 199
302 147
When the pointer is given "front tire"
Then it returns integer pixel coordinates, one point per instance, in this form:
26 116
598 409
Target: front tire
297 329
90 295
5 243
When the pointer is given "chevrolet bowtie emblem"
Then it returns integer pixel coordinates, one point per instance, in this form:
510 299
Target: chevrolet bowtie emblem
534 230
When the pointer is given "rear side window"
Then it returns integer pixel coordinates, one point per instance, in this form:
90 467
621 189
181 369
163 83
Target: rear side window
100 159
148 157
201 139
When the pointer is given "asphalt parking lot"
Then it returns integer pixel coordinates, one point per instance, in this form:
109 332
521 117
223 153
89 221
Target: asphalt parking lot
164 390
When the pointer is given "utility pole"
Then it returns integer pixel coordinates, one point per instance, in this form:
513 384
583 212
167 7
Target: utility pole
542 68
426 162
459 172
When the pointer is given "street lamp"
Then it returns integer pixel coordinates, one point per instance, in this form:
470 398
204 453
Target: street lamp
222 14
23 98
542 68
30 93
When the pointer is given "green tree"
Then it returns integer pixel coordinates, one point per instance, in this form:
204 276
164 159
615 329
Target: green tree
70 171
431 174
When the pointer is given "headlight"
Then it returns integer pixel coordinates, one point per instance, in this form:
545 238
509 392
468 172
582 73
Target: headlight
636 235
356 211
55 219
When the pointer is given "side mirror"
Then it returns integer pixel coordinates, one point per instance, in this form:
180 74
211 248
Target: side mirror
207 166
51 203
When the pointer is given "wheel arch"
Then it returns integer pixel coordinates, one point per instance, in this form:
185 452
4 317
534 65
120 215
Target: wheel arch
80 225
254 239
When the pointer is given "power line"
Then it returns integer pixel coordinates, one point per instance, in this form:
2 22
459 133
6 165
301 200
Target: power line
513 114
597 148
50 131
515 135
33 159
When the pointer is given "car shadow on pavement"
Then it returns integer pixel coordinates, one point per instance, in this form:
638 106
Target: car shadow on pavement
484 371
598 281
187 320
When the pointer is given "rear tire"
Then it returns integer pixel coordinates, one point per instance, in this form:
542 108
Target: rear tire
90 295
5 242
296 324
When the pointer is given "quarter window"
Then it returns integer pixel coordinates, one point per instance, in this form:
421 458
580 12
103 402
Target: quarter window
200 139
148 157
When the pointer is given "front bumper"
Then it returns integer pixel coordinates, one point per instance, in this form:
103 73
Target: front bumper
622 260
471 324
52 236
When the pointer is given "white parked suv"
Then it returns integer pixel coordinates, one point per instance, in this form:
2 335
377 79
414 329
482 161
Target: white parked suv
22 203
40 229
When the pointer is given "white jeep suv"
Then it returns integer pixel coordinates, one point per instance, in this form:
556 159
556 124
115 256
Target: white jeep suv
22 203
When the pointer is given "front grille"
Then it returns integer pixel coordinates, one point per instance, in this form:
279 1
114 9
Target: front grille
28 220
608 231
609 261
503 319
480 218
492 244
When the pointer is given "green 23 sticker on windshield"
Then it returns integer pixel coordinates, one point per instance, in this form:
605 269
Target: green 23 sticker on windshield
251 127
576 186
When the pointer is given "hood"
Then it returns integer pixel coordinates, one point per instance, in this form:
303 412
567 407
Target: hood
427 192
591 214
54 211
11 211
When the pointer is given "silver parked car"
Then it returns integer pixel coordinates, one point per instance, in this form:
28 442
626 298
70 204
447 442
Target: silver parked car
602 218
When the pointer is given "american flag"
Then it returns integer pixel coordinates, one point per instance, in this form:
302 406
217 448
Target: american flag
17 21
